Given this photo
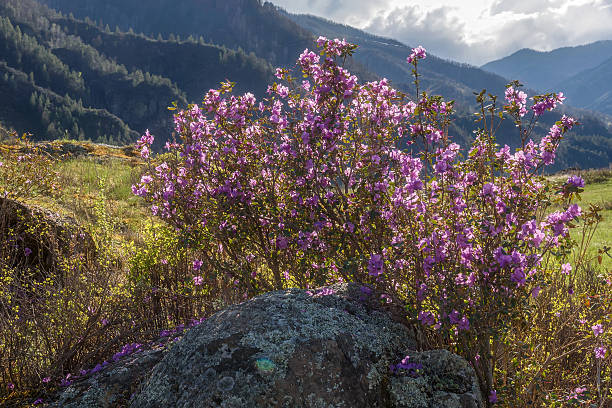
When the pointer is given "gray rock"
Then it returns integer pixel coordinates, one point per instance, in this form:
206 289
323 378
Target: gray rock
286 349
50 237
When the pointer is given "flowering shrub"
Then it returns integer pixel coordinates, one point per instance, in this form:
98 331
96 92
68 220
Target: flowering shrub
327 180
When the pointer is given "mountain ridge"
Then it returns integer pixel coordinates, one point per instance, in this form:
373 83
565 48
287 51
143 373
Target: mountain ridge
534 68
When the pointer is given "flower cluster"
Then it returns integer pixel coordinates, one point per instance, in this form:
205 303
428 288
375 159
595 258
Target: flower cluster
416 54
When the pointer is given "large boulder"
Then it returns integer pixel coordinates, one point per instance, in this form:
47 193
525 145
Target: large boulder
333 347
34 238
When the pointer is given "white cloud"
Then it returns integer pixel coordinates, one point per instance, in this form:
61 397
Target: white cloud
520 6
437 29
353 12
474 31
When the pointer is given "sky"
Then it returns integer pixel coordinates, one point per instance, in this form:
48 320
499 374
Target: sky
471 31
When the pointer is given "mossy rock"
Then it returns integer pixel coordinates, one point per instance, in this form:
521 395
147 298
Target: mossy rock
40 240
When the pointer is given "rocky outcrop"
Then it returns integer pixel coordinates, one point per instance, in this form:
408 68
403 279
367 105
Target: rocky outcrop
32 237
334 347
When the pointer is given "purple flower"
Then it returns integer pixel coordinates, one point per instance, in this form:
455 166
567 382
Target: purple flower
600 352
427 318
66 381
325 292
489 189
38 401
27 251
197 264
46 380
464 324
125 351
281 242
410 368
417 54
375 265
11 386
597 329
97 368
493 397
576 181
198 280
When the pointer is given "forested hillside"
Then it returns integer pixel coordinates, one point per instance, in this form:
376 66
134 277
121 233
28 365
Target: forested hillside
248 24
71 78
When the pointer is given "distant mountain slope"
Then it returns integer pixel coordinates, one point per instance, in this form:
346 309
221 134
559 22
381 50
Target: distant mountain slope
591 88
78 67
248 24
546 71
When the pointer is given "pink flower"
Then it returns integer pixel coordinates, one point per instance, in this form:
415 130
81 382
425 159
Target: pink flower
566 268
46 380
198 280
597 329
417 54
600 352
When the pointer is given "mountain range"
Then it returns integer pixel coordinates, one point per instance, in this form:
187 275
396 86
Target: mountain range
107 70
583 73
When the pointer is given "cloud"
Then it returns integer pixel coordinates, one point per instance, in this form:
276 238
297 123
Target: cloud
354 12
437 30
520 6
499 30
474 31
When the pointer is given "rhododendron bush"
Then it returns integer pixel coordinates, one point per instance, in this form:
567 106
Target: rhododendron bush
329 180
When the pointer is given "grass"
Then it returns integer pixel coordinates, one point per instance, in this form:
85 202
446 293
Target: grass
99 173
597 191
